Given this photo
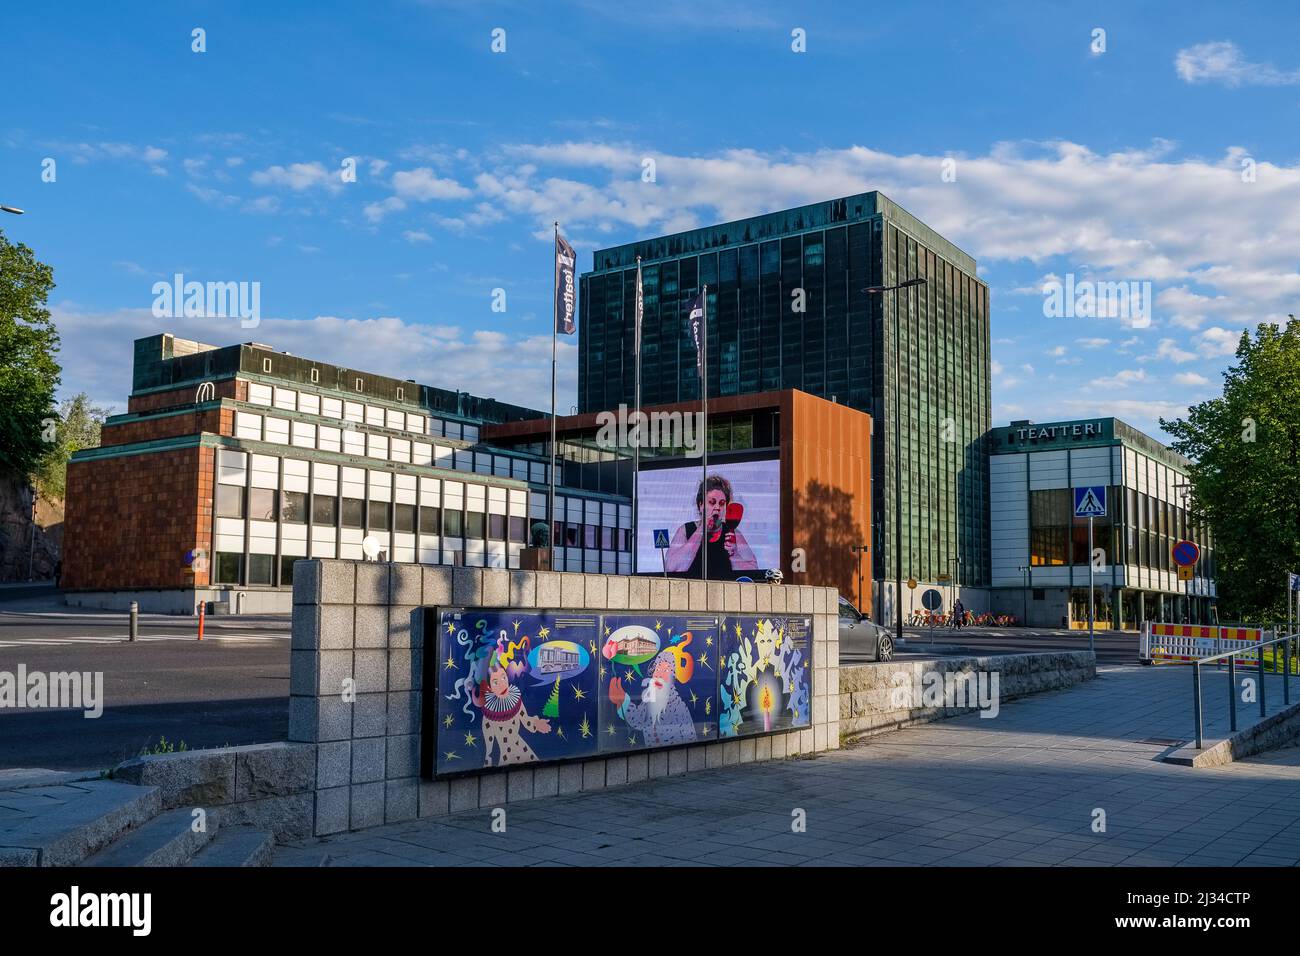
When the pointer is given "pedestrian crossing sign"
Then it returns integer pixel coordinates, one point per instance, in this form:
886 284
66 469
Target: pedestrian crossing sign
661 537
1090 501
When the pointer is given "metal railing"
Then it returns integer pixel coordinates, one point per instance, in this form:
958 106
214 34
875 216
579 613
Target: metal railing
1231 657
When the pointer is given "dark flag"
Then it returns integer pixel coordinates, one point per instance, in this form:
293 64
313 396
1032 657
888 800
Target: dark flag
566 293
695 317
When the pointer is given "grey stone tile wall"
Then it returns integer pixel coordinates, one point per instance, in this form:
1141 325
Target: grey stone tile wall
356 682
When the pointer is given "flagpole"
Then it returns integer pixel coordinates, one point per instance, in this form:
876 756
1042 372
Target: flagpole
636 466
555 293
704 423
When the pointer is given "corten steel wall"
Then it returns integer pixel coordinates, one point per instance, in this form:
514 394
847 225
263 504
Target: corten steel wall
131 518
363 621
826 491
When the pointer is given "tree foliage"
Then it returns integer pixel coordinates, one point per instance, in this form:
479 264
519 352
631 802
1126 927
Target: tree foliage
77 427
1245 446
29 373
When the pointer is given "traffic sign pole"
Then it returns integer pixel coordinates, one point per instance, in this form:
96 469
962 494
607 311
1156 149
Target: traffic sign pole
1091 610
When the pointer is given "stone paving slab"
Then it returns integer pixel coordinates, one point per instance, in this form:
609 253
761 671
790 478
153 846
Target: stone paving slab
1021 789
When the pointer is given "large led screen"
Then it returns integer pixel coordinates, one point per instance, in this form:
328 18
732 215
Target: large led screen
741 514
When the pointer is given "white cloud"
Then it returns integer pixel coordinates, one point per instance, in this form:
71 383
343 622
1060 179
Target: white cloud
376 211
1216 342
1222 62
422 185
299 177
1190 378
416 235
1121 379
1093 343
1056 350
512 368
1168 349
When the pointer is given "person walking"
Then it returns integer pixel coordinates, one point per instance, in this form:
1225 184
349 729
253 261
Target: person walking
959 614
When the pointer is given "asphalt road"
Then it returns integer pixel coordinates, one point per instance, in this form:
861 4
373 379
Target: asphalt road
231 688
1113 647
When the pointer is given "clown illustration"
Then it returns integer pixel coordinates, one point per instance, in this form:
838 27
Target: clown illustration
661 716
490 688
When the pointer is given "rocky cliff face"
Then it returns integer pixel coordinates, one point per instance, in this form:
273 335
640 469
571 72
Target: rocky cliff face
16 532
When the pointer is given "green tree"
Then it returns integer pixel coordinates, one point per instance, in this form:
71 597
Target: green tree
1245 446
552 708
77 427
29 374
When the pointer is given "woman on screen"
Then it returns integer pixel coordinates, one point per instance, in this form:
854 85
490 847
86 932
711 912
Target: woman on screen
728 549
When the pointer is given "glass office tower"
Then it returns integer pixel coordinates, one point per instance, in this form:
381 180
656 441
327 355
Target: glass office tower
788 308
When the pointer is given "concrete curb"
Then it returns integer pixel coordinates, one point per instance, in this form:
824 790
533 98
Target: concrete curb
1276 730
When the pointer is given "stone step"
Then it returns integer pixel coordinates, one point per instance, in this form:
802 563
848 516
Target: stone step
237 846
166 840
62 825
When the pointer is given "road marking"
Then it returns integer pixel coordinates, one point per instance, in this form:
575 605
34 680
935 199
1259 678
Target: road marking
72 640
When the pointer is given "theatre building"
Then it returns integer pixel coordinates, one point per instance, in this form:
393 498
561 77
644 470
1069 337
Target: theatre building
1040 550
232 463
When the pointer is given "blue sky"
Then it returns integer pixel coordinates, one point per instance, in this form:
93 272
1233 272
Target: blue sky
224 165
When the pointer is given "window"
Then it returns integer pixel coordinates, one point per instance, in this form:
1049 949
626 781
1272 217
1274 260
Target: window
227 568
293 507
401 393
260 568
266 365
361 386
430 521
518 529
607 539
589 535
497 527
474 524
354 510
230 504
453 523
324 510
315 375
379 515
571 532
261 504
404 518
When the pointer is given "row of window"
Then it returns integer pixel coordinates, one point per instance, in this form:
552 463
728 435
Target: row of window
311 403
350 441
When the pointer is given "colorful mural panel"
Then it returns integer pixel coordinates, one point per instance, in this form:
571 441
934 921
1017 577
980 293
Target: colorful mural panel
658 678
515 687
764 674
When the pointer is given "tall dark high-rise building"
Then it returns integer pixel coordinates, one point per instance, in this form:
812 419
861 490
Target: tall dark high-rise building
788 307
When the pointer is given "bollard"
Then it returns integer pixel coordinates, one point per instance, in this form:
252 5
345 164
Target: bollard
202 607
135 620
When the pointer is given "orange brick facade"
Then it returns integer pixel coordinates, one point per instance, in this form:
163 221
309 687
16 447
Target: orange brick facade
130 520
216 421
227 388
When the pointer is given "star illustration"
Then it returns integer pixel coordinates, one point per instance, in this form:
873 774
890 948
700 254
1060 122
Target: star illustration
451 628
579 693
737 630
516 624
542 632
708 641
602 671
470 740
708 706
593 646
559 732
584 727
631 741
610 730
451 755
627 675
450 663
448 721
705 731
658 625
694 699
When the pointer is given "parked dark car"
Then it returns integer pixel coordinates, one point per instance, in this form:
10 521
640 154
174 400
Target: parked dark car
861 635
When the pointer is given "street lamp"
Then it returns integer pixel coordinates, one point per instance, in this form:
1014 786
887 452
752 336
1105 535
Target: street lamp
898 447
859 550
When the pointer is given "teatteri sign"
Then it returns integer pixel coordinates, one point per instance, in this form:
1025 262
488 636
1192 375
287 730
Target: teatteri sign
516 687
1037 433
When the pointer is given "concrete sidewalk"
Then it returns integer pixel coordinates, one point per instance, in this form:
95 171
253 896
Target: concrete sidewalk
1024 788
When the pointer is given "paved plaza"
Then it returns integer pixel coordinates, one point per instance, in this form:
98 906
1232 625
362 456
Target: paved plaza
1025 788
